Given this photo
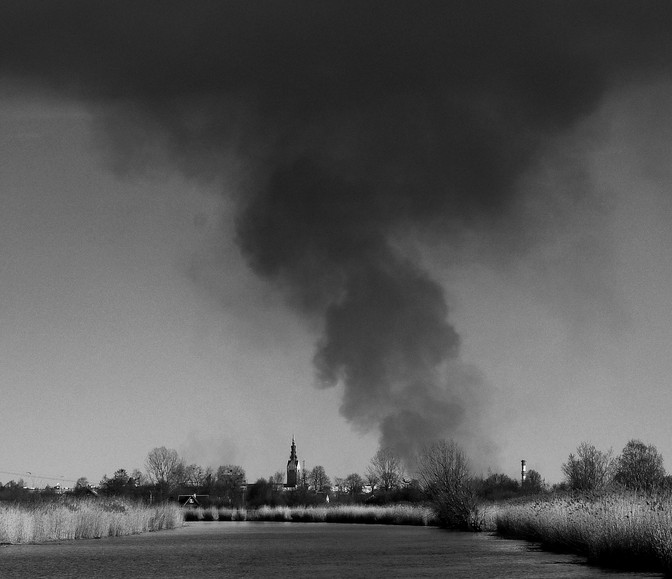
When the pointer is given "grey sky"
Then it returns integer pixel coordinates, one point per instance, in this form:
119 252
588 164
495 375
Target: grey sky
452 216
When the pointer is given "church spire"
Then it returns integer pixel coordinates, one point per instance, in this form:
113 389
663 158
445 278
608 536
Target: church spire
293 467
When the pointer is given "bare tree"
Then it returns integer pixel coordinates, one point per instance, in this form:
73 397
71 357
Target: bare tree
445 475
139 478
386 470
339 485
318 479
196 476
229 480
230 472
371 479
590 469
164 466
640 467
354 483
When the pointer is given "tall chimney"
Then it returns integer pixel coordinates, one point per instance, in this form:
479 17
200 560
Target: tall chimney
523 472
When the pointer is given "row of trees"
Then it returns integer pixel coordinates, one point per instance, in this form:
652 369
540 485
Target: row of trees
443 477
168 475
383 482
313 487
385 473
386 481
639 467
446 479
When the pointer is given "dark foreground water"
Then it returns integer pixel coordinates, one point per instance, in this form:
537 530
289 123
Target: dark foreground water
254 549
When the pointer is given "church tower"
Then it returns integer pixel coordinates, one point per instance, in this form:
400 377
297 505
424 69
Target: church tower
293 468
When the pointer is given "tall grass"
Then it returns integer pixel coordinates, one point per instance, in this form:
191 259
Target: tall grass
385 515
83 519
619 530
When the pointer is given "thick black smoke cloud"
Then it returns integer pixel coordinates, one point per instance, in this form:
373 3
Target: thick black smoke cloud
359 124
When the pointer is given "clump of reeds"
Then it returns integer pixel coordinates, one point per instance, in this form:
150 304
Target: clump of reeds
386 515
266 513
488 513
215 514
363 514
83 519
620 530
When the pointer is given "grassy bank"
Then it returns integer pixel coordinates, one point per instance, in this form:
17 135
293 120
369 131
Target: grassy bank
83 519
385 515
616 530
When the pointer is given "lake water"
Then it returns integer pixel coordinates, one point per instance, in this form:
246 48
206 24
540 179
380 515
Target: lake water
256 549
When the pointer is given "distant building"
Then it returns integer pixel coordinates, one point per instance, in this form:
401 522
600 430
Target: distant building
191 501
293 468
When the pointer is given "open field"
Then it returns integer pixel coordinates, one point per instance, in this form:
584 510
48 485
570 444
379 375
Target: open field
83 519
617 530
386 515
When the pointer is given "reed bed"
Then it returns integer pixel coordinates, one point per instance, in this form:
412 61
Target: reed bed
617 530
362 514
83 519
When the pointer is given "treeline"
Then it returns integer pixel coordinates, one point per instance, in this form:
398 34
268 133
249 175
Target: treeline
166 477
458 496
443 478
639 467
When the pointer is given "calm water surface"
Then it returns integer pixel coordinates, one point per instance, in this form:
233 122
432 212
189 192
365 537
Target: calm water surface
255 549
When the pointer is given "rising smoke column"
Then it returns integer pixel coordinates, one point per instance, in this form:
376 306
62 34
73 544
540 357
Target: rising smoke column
386 336
359 124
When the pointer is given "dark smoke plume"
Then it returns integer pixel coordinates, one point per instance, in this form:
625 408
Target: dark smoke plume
359 124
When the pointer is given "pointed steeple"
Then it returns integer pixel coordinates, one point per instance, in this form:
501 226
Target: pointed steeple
293 467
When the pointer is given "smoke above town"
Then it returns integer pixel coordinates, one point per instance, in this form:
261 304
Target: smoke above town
354 129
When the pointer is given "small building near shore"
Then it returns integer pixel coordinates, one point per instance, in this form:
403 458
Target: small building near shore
191 501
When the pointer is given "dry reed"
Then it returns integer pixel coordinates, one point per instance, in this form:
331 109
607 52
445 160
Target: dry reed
83 519
386 515
619 530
